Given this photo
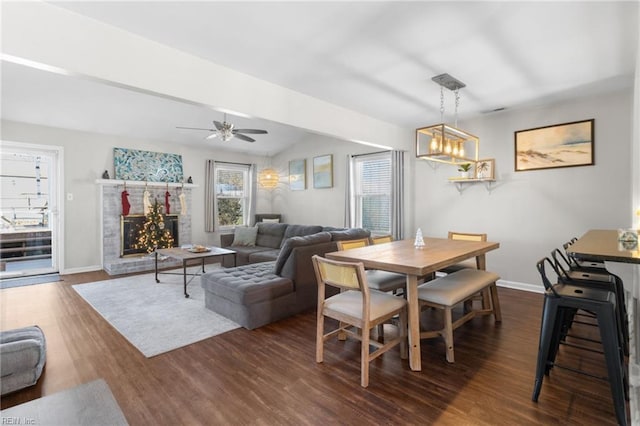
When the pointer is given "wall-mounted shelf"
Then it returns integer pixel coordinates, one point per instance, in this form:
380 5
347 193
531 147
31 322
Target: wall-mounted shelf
460 182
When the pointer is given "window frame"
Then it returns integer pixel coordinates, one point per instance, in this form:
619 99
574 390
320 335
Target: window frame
245 198
358 193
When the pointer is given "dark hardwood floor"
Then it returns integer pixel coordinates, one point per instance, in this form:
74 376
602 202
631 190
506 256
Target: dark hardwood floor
269 376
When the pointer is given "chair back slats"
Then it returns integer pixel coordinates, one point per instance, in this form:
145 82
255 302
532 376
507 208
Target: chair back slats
339 275
381 239
351 244
465 236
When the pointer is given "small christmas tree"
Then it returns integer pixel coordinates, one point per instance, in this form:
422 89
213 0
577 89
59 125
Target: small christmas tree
419 242
153 233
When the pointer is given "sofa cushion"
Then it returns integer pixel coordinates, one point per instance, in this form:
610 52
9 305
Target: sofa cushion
247 284
270 234
349 234
300 231
244 236
267 255
291 243
243 254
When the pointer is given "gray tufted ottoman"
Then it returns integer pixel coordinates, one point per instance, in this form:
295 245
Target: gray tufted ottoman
251 295
22 357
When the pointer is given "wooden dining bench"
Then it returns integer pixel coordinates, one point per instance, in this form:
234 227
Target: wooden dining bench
447 291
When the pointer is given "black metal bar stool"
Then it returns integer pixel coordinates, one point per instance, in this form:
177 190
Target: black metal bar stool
561 301
594 278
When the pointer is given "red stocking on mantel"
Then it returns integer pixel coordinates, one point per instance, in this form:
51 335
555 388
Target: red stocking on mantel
167 206
125 203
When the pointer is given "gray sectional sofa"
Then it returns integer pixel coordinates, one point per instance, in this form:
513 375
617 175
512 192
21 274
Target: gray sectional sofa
274 278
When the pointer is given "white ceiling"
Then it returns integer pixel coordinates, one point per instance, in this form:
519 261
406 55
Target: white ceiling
376 58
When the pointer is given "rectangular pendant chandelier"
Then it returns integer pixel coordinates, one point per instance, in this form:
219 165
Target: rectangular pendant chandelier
446 144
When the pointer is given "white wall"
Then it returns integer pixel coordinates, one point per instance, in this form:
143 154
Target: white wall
87 156
532 212
326 206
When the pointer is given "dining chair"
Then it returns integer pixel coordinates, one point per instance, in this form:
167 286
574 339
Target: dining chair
381 239
469 263
385 281
377 279
356 306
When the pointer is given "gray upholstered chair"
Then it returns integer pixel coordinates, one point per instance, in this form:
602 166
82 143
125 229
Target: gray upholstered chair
22 357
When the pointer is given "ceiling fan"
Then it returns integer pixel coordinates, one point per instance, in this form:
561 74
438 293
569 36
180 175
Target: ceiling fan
226 131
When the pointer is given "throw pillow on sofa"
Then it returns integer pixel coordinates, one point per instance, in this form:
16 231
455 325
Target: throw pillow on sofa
245 237
293 242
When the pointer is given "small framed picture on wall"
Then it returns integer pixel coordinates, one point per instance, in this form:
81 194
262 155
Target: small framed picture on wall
298 175
323 171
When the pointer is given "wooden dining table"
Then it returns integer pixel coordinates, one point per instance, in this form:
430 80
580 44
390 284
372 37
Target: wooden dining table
403 257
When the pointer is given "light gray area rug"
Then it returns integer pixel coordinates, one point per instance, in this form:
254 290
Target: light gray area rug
155 317
88 404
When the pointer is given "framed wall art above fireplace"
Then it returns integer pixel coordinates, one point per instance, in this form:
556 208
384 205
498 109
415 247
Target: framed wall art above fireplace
147 166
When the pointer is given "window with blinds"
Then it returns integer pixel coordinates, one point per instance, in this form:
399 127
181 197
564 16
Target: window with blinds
232 194
372 192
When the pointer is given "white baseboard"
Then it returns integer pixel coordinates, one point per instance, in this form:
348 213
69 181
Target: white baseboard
81 270
534 288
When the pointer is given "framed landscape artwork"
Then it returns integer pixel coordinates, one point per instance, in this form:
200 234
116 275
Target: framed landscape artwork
298 175
323 171
485 169
559 145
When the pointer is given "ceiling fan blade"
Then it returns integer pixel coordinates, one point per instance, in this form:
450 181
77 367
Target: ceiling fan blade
251 131
212 135
218 124
195 128
243 137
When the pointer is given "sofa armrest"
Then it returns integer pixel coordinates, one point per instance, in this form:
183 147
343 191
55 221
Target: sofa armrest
226 240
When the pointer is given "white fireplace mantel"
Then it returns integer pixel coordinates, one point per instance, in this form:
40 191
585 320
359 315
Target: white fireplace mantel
143 183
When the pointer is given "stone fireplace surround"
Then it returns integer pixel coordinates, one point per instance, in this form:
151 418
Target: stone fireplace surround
111 203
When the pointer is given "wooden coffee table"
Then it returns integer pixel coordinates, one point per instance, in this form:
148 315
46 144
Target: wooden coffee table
187 256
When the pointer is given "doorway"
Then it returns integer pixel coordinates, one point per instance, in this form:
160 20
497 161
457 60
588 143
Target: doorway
29 209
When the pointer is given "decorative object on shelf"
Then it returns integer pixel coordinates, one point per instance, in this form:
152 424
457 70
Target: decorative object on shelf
558 145
323 171
298 175
153 234
268 178
441 142
465 170
189 180
105 175
419 241
485 169
132 164
225 131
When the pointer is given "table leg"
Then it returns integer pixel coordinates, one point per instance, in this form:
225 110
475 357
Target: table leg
414 323
184 274
157 280
481 263
203 265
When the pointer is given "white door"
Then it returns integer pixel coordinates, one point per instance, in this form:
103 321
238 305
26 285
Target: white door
29 209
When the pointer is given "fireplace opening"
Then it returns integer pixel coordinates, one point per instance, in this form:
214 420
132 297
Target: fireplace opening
130 227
